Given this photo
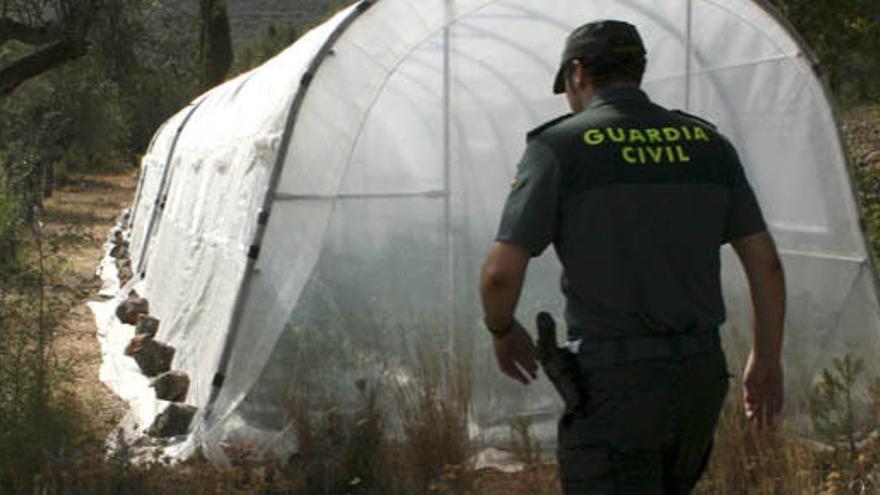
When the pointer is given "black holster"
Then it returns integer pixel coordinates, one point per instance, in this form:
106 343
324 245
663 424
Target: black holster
560 365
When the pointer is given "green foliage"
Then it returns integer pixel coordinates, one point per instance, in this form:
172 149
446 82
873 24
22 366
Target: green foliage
342 451
35 420
216 42
834 403
9 225
845 37
101 109
869 191
273 39
72 115
150 54
862 131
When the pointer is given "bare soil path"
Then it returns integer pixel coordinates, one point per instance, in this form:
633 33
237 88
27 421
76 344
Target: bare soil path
77 219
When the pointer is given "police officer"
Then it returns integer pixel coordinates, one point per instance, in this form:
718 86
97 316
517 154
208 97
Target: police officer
637 201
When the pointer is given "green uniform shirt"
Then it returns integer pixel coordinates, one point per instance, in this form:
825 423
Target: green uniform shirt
637 201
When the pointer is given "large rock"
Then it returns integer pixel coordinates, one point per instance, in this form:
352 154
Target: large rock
172 386
122 219
134 345
125 273
173 421
154 358
120 250
129 310
147 325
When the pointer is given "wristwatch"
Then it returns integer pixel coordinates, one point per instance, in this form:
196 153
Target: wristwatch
502 332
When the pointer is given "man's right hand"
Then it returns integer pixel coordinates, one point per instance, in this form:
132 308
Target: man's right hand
763 393
516 355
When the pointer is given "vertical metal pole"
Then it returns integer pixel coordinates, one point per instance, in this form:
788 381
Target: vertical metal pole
687 55
447 181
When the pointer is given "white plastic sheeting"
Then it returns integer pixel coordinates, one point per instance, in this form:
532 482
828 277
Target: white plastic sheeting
393 172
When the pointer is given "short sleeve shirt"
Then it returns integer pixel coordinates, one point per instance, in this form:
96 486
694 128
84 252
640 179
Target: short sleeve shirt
637 201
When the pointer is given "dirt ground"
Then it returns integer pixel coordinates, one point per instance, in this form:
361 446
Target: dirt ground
77 219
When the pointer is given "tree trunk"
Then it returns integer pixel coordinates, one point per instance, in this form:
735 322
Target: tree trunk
32 188
35 64
67 36
34 35
48 178
216 42
26 187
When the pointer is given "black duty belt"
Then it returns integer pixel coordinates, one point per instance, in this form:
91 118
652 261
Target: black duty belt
615 352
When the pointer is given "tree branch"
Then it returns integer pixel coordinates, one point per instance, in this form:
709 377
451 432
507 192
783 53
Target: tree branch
33 35
37 63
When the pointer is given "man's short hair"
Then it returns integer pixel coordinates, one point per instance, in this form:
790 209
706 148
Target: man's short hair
611 50
607 70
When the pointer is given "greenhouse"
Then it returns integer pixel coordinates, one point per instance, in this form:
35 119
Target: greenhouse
322 219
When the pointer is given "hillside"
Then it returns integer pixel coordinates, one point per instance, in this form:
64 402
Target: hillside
248 17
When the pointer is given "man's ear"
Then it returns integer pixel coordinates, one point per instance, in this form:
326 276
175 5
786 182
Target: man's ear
579 75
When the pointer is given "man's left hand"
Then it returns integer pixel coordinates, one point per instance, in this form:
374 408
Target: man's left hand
516 355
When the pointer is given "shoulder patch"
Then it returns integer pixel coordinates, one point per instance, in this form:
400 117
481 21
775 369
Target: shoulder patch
543 127
694 117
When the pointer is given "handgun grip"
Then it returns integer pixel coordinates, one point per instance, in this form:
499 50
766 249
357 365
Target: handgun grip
559 365
546 330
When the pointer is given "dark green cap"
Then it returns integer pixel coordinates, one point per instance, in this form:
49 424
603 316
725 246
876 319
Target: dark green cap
598 38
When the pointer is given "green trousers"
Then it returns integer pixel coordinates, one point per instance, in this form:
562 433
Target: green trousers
646 427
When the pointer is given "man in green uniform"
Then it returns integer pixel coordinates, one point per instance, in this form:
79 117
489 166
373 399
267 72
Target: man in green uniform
637 201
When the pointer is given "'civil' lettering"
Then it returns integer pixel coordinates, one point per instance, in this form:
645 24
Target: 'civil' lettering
656 153
682 156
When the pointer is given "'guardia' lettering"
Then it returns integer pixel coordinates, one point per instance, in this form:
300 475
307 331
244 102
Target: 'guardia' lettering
671 134
636 136
700 134
594 137
617 135
651 135
654 135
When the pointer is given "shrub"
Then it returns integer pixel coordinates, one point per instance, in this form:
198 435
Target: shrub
9 225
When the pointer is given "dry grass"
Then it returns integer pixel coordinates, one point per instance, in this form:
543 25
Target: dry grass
426 449
745 461
433 409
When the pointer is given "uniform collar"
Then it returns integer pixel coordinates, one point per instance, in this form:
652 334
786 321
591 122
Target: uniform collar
619 95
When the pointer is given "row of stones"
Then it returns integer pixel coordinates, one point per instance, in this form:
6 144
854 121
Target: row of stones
154 358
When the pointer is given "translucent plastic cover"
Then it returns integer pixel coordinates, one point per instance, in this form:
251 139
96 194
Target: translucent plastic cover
394 178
